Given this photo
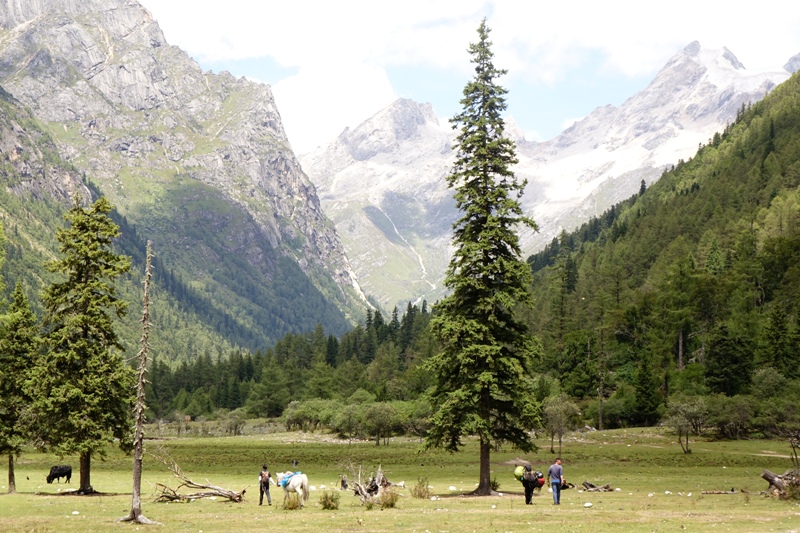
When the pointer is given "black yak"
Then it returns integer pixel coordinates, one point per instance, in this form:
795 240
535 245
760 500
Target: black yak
57 472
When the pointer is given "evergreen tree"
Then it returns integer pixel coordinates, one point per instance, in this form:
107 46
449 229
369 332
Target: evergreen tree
729 362
18 339
481 383
778 348
394 325
793 370
82 391
647 399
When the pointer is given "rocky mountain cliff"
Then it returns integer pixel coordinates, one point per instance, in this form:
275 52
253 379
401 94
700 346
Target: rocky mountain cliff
199 162
383 184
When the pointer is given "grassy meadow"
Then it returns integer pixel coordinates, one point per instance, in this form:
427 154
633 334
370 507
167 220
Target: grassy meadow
660 487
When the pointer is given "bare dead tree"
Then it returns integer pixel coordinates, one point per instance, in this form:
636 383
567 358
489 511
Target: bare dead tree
371 489
138 411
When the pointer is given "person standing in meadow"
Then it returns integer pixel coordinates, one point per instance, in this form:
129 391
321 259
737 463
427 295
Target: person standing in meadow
556 476
264 479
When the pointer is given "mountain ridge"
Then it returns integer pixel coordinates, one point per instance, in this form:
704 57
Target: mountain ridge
591 165
198 162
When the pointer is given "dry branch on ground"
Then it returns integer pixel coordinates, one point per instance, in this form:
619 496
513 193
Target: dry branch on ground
591 487
207 490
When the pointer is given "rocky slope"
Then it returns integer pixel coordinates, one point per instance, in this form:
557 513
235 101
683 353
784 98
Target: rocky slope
383 184
199 162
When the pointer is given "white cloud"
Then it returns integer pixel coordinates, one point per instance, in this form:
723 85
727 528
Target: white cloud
342 50
319 101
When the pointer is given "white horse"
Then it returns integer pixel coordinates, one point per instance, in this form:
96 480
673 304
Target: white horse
294 482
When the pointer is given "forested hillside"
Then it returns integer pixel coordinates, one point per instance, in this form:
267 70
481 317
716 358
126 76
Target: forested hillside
691 287
679 304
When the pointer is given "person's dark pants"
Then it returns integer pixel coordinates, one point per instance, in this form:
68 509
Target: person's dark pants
529 486
556 486
264 488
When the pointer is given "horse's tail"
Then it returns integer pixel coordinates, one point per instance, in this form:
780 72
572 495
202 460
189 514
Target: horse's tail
305 487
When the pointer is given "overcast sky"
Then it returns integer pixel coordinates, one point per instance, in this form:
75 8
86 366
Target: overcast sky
332 64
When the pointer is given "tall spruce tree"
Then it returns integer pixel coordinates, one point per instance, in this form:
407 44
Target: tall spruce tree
482 385
81 388
18 342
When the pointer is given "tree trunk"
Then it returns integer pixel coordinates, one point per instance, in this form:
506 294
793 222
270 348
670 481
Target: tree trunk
138 433
680 349
552 441
601 392
12 482
681 434
703 345
774 480
600 412
485 482
86 464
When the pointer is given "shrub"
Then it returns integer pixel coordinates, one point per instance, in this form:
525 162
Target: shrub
292 502
329 500
494 484
388 499
793 490
421 489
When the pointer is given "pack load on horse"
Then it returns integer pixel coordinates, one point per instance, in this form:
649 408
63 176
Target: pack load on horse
294 482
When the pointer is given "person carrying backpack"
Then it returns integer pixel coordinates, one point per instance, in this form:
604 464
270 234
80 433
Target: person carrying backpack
530 480
264 479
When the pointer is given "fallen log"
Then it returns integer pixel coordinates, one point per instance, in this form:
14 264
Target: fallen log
591 487
719 492
782 486
775 481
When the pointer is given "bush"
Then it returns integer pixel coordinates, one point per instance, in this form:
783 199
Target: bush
388 499
494 484
329 500
292 502
421 489
793 490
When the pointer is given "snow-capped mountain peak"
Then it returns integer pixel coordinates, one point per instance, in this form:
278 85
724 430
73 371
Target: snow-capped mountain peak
383 184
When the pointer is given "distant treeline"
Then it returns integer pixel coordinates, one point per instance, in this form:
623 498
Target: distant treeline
379 359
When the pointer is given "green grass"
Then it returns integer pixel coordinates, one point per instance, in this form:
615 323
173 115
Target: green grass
644 464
